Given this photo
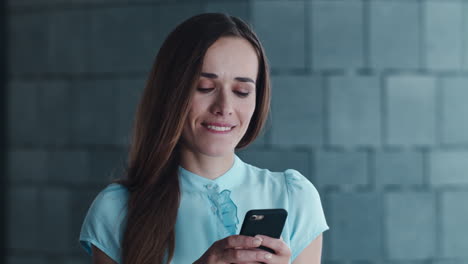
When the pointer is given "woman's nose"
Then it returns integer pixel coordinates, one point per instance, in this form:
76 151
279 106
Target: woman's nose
223 103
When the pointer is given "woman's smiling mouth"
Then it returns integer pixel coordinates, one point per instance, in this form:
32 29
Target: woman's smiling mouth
218 128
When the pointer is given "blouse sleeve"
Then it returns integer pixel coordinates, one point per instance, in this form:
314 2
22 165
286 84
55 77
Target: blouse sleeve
305 216
104 222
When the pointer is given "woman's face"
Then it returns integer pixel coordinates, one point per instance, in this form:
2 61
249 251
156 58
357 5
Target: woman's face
224 100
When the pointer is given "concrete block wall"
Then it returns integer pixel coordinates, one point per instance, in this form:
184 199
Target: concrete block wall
369 102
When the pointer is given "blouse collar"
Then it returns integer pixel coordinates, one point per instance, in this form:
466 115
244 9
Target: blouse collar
192 182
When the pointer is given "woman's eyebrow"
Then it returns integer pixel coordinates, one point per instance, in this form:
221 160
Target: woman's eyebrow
214 76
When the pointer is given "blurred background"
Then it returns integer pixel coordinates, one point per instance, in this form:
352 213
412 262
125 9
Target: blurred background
370 102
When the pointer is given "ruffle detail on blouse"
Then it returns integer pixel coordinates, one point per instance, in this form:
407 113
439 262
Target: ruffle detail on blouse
294 179
226 210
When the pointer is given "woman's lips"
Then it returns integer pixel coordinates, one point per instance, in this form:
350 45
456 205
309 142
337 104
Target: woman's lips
218 128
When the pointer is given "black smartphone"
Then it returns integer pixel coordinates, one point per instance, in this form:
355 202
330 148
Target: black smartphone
268 222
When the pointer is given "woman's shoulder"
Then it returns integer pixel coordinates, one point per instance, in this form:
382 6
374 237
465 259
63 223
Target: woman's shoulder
263 174
113 193
104 222
295 179
290 178
111 201
114 190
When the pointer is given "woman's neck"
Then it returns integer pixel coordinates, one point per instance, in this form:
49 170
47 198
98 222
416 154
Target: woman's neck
207 166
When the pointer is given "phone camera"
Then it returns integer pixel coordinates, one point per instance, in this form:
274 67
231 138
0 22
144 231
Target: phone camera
256 217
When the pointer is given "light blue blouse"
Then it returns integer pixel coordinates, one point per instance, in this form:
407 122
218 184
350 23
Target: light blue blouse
213 209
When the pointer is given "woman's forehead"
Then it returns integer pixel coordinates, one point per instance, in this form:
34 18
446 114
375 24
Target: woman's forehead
231 56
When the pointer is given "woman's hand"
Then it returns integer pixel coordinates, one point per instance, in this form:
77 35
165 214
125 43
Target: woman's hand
282 253
244 249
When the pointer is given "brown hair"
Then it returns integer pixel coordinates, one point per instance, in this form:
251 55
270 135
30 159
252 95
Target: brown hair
152 173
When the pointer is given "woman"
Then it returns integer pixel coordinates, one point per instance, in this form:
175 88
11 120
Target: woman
185 189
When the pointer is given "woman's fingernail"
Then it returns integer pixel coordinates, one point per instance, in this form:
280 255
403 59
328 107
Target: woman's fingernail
259 237
268 256
257 242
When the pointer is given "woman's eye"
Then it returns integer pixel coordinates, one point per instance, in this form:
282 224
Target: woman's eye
204 90
241 94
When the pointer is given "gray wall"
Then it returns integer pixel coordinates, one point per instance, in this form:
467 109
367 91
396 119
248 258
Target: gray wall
369 102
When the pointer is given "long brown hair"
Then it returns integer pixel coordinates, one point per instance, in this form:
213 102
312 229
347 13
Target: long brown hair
152 172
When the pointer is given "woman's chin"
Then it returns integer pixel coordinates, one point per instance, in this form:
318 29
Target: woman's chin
210 149
217 151
219 154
